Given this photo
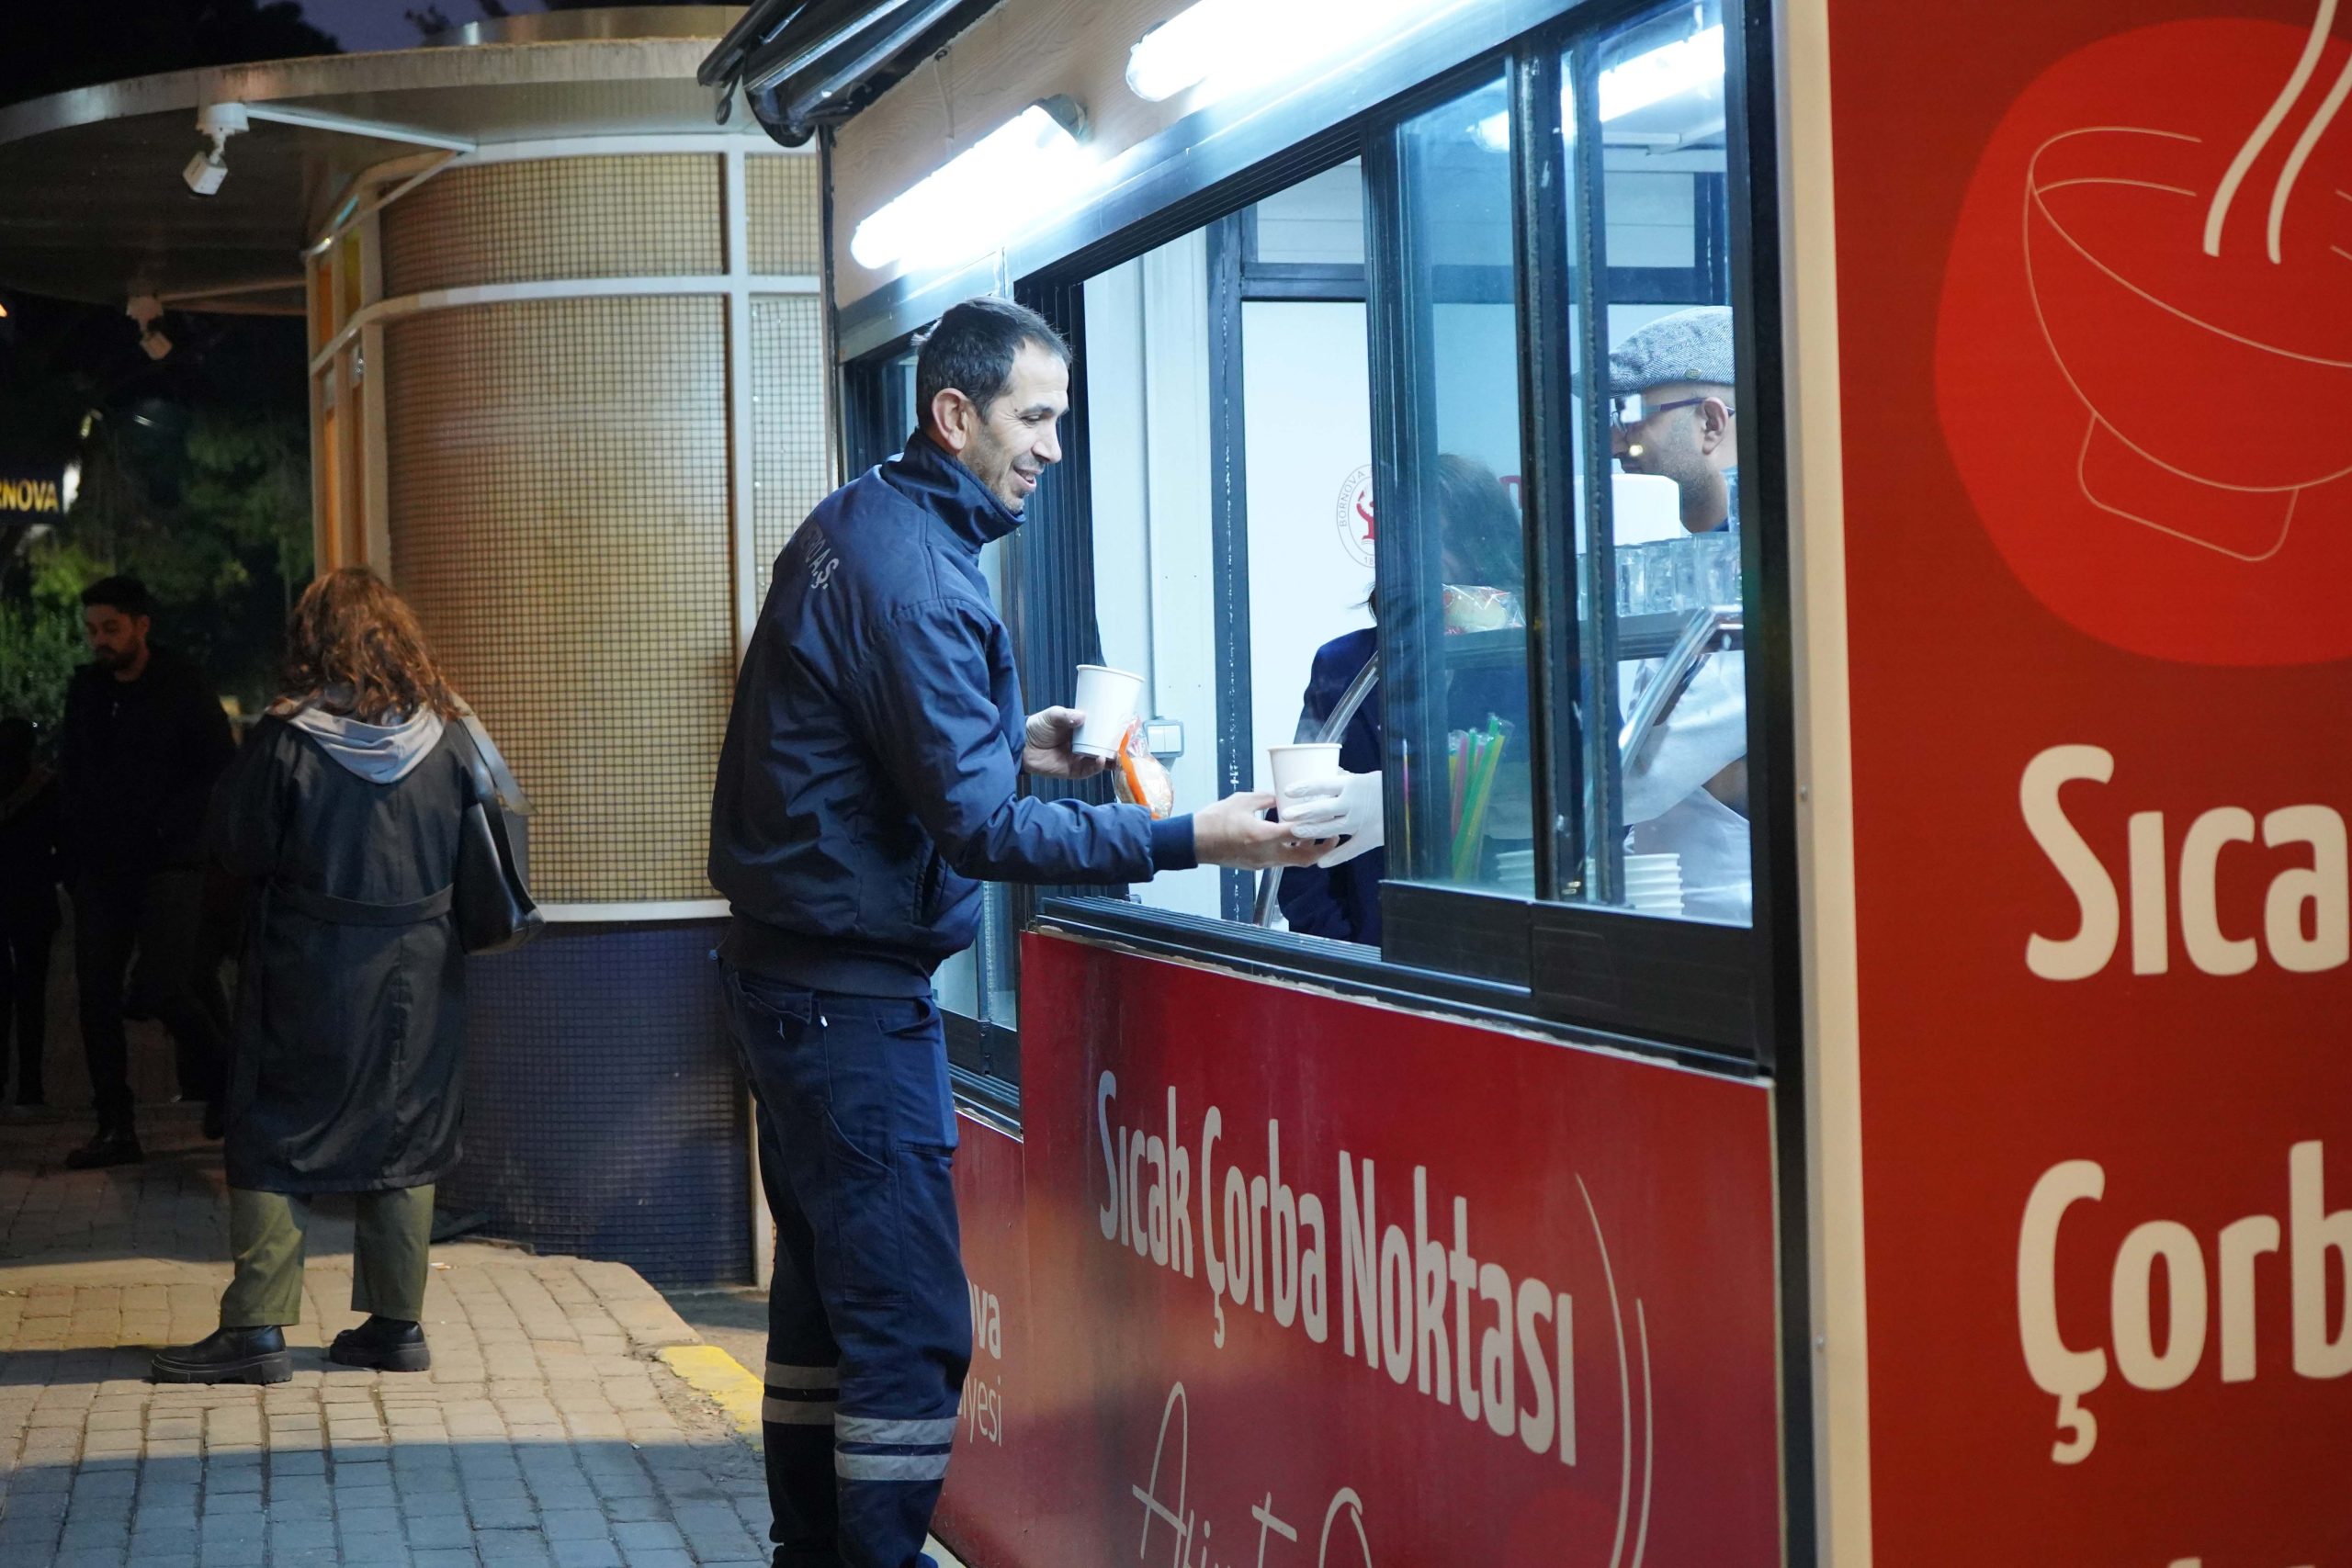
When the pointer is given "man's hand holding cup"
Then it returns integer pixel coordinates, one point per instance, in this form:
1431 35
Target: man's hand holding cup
1236 831
1048 753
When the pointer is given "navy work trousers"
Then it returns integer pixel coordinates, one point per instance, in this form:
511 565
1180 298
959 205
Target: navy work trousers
869 1324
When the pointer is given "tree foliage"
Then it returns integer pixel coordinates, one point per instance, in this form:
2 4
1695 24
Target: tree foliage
214 515
38 649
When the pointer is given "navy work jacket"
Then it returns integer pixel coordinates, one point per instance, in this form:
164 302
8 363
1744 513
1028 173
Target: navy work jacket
869 779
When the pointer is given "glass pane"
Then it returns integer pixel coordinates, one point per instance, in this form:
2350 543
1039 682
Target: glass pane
1457 727
1148 421
995 953
957 983
1307 425
1674 491
1182 366
1316 222
898 408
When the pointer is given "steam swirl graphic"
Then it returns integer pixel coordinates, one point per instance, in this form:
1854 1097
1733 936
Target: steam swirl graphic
2306 66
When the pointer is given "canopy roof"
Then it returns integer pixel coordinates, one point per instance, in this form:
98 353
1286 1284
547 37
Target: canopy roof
97 209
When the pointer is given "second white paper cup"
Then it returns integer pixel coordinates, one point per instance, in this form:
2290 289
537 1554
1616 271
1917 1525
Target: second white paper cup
1107 698
1298 764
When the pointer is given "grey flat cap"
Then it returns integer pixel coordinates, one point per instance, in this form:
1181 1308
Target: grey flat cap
1688 345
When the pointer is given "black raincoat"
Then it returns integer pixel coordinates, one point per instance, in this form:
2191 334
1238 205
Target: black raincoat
349 1040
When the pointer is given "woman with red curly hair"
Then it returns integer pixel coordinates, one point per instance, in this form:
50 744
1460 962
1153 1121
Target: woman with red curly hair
342 813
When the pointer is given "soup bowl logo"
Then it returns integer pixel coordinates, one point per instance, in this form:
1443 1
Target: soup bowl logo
1352 515
2144 351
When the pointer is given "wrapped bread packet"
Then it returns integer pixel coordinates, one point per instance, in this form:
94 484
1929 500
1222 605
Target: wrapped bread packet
1471 608
1137 777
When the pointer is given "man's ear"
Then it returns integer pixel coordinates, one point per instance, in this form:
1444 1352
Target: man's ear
953 419
1715 424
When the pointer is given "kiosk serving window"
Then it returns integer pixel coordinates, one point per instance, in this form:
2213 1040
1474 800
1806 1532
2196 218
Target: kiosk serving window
1383 466
1427 445
1229 447
1454 696
1673 556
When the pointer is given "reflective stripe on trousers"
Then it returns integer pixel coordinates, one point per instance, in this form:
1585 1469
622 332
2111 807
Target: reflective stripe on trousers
867 1448
800 1396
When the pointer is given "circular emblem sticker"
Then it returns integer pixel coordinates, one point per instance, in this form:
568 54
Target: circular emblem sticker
1353 516
2144 299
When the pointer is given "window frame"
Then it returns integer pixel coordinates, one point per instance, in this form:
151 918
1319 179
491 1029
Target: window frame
1684 989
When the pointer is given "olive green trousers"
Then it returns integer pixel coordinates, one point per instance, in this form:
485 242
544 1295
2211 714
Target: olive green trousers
388 1264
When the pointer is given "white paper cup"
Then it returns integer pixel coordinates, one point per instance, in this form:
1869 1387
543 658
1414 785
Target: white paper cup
1303 764
1107 698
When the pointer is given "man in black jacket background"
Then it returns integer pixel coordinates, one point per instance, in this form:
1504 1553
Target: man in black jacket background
145 738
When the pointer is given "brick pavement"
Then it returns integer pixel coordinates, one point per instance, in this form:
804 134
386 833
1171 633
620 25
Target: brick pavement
546 1433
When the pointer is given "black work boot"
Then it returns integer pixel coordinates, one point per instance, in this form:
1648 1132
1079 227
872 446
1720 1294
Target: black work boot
386 1344
113 1145
226 1355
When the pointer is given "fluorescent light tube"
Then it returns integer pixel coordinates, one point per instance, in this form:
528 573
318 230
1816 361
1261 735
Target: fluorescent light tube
1662 73
1226 45
1181 51
976 202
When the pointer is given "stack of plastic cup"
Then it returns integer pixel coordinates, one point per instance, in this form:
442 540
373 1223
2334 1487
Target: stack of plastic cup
1654 884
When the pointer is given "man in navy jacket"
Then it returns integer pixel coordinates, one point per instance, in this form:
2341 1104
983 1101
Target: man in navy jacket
868 784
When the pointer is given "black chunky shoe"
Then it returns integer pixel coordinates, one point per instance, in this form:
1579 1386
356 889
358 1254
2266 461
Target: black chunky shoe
113 1145
227 1355
386 1344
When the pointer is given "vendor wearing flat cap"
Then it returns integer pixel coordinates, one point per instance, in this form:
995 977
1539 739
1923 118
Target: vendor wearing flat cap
1671 410
1686 790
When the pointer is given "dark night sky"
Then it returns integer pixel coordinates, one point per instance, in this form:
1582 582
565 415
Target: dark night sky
382 24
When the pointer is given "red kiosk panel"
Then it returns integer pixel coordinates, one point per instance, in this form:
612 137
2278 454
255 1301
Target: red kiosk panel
2089 257
1315 1282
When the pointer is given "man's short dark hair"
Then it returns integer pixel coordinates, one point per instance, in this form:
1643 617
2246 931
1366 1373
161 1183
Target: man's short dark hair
127 594
972 348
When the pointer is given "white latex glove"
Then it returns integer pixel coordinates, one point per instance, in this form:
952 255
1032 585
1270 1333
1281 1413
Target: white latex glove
1346 806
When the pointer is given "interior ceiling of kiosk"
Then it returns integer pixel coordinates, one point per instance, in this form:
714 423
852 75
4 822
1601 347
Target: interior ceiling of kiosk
1690 119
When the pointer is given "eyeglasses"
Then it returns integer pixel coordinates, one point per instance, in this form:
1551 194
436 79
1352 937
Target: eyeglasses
1621 418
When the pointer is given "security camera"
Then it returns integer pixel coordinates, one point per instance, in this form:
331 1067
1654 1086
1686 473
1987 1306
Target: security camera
146 310
205 172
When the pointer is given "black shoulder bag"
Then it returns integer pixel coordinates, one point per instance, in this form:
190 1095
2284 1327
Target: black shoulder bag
491 902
